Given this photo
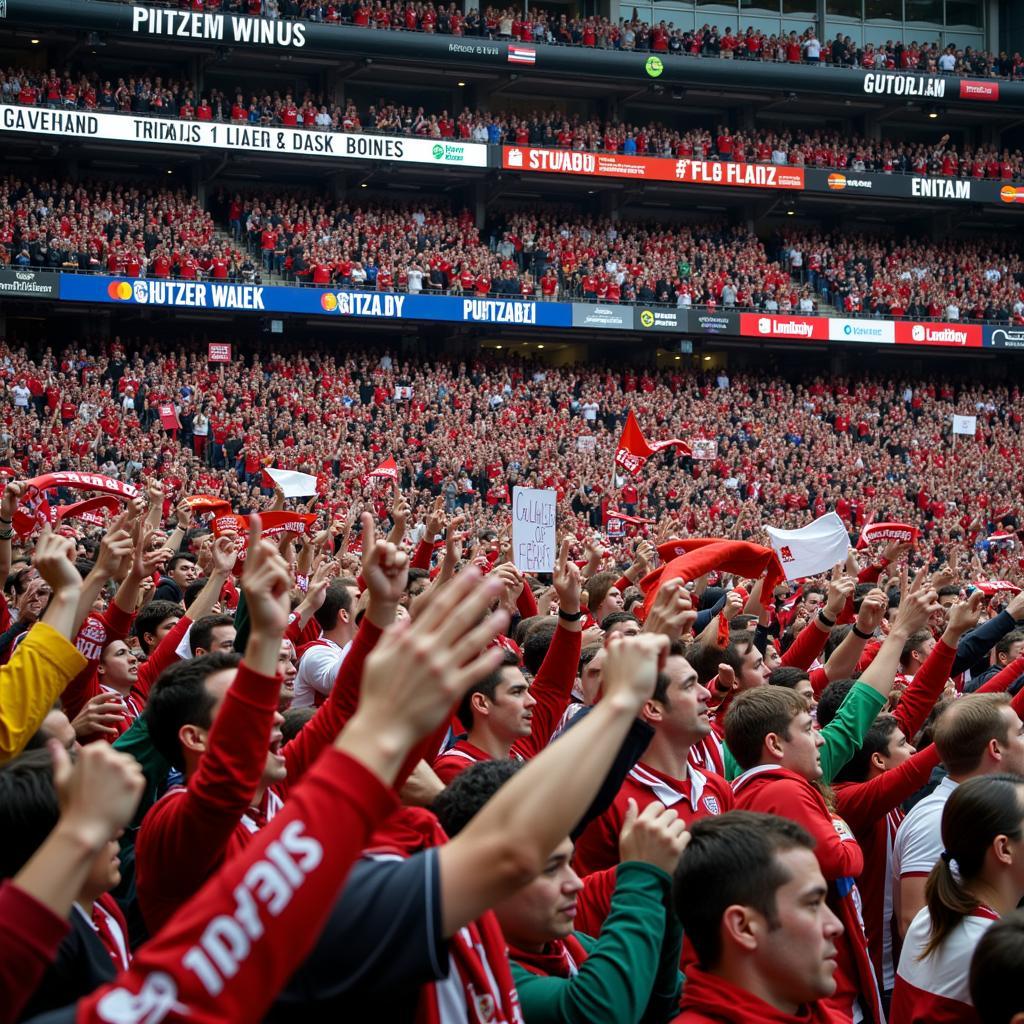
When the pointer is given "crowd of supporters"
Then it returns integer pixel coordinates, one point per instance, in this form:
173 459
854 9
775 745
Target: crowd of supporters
168 97
950 280
294 745
113 229
537 25
871 449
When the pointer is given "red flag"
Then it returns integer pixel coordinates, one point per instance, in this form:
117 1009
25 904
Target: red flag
387 470
634 451
169 416
690 558
35 510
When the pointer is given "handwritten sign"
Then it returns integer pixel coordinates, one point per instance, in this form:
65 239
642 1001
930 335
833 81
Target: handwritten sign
533 529
218 352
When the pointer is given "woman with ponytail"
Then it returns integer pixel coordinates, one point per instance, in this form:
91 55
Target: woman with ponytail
979 878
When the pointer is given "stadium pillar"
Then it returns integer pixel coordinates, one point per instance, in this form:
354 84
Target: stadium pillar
819 17
480 205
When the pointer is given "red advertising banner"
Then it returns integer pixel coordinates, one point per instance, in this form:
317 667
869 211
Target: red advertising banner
651 168
939 334
781 325
219 352
979 91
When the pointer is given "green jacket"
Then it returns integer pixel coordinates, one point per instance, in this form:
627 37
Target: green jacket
843 736
631 974
137 742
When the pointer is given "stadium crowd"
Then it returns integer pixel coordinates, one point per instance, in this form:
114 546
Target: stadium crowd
537 25
157 95
311 743
136 231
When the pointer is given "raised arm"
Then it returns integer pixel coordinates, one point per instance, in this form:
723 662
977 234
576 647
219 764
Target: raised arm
508 842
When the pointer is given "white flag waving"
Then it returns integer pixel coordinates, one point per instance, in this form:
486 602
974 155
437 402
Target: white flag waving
294 485
811 549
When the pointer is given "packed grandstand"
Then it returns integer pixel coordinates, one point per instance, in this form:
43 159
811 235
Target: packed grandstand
498 526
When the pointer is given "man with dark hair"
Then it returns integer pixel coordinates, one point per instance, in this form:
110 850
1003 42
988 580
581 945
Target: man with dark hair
319 661
620 623
154 622
181 570
751 899
212 633
1008 649
678 713
97 946
562 975
506 715
771 734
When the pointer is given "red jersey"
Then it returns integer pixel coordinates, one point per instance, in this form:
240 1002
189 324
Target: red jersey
699 795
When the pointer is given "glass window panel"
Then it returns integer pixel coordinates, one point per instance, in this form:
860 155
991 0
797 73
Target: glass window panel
924 10
768 6
724 7
891 10
799 6
964 12
844 8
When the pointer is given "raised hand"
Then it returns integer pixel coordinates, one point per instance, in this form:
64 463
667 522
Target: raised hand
385 569
672 613
99 717
54 559
656 835
631 669
872 611
567 581
99 793
422 667
266 583
963 616
840 590
917 603
224 552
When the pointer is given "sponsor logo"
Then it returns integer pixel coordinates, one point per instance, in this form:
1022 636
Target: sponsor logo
713 323
979 91
355 304
793 328
887 83
654 66
499 311
953 335
659 319
1012 194
187 293
614 317
786 554
28 283
437 151
797 328
1006 337
874 331
837 182
522 55
940 188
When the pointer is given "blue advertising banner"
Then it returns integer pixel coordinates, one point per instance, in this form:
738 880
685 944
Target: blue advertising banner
313 301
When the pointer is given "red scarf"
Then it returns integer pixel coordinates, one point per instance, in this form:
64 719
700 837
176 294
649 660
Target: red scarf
559 959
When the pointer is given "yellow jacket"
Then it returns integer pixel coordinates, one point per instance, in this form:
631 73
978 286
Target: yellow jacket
41 666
